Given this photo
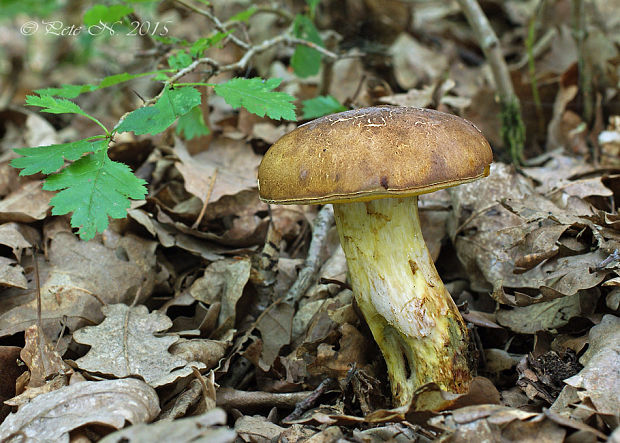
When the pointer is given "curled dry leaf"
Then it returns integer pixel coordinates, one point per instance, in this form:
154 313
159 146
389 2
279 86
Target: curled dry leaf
206 427
599 380
507 235
12 274
496 423
125 344
78 278
43 361
223 281
27 204
234 161
257 428
51 416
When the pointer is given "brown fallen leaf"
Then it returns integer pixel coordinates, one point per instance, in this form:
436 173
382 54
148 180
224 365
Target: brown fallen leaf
257 428
17 237
12 274
207 427
43 361
125 344
78 279
223 281
275 327
50 417
27 204
599 380
496 423
10 370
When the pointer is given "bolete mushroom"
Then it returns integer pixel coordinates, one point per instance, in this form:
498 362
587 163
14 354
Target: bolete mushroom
372 164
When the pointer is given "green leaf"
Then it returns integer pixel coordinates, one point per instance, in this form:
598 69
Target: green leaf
256 95
192 124
243 16
179 60
66 91
54 105
306 61
205 43
48 159
105 14
59 106
29 8
320 106
172 104
72 91
93 188
312 4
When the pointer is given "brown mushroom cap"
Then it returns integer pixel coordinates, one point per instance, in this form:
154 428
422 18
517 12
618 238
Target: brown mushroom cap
372 153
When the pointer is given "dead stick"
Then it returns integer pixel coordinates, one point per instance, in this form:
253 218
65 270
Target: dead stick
322 224
233 398
309 401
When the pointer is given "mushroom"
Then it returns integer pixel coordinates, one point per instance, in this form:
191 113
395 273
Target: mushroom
372 164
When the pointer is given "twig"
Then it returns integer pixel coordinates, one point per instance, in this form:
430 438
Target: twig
309 401
489 44
216 21
513 129
243 62
274 10
233 398
324 221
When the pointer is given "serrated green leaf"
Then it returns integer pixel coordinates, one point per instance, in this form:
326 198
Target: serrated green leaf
257 96
179 60
243 16
54 105
312 4
205 43
320 106
48 159
66 91
72 91
172 104
306 61
94 188
105 14
192 124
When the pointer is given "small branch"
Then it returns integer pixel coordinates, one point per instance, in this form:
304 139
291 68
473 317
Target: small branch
309 401
513 129
216 22
489 44
324 221
277 11
233 398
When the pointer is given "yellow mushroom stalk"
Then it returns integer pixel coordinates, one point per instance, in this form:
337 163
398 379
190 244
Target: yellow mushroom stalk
411 315
372 163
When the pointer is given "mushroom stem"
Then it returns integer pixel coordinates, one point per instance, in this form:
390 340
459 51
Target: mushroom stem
412 316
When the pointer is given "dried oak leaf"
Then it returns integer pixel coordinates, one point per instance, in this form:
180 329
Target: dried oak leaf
223 281
43 361
599 380
125 344
27 204
51 416
257 428
201 428
496 423
506 235
77 279
12 274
